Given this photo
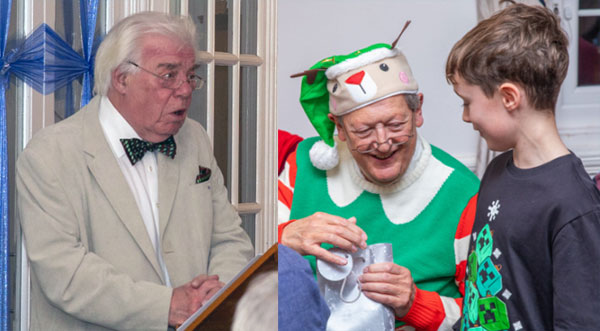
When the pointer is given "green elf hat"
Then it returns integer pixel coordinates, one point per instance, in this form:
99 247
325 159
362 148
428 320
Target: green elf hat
341 84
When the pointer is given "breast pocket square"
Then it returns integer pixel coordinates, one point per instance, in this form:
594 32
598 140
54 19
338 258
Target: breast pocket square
203 175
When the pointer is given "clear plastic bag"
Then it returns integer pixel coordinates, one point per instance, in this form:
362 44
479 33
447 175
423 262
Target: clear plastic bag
350 308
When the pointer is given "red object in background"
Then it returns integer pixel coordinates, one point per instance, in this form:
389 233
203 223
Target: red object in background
597 179
589 63
287 144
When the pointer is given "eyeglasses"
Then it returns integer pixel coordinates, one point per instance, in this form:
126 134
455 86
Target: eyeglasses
170 81
374 145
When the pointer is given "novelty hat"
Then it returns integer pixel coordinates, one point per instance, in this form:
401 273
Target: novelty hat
341 84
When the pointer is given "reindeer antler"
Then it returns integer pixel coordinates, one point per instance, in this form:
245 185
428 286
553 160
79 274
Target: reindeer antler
401 32
310 74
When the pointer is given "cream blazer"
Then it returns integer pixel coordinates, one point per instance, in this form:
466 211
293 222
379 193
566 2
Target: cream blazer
93 265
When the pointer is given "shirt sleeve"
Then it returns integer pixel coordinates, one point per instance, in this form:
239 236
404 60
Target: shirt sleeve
576 274
431 311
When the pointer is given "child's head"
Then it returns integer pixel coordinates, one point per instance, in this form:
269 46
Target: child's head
521 44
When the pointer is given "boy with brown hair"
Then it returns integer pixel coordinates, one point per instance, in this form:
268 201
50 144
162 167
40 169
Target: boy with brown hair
534 251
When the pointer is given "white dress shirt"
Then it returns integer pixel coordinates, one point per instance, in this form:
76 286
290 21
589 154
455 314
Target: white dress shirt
141 177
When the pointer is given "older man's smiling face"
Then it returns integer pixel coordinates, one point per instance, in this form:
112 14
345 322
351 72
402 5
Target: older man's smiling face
390 117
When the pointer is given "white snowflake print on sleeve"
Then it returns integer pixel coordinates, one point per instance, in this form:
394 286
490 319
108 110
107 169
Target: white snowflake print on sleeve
494 209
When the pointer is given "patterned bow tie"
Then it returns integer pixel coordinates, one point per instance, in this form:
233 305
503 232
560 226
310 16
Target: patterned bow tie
136 148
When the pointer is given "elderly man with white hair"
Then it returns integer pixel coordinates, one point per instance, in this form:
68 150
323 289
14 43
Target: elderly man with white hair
126 219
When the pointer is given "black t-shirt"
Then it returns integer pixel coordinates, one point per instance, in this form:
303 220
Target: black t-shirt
534 252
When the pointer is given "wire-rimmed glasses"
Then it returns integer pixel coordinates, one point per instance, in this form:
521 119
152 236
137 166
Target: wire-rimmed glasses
374 145
170 81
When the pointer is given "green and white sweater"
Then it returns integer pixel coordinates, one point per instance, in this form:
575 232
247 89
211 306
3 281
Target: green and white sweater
427 216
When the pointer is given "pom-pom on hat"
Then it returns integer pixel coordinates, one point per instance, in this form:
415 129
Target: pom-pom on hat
341 84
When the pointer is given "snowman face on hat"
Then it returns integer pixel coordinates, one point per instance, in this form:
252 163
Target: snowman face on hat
369 83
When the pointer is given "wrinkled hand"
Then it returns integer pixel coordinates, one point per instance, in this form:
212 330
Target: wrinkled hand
187 298
389 284
306 235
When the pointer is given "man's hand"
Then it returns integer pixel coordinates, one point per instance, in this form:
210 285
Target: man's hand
188 297
389 284
306 235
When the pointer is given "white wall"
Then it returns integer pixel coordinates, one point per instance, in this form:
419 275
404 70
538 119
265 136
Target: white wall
310 30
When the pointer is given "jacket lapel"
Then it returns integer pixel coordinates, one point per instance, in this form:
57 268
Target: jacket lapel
168 181
106 170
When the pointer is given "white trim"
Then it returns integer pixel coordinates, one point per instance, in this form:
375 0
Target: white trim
204 57
227 59
588 12
452 312
23 297
24 285
359 61
160 6
584 141
210 71
266 149
234 129
591 162
248 208
571 93
38 112
581 130
249 60
184 8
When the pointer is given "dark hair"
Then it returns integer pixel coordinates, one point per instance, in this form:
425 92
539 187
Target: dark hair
521 44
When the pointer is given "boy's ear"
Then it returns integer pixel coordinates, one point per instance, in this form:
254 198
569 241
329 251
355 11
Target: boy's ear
511 95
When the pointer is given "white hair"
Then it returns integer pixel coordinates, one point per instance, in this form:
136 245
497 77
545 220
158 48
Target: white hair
257 309
121 44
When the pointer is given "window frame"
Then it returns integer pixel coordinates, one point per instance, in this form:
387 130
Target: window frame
264 208
577 106
574 96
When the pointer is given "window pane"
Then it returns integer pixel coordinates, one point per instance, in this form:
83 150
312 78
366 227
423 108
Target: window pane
249 225
100 24
67 96
223 21
247 177
68 24
589 50
223 121
197 10
589 4
248 27
68 27
197 108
